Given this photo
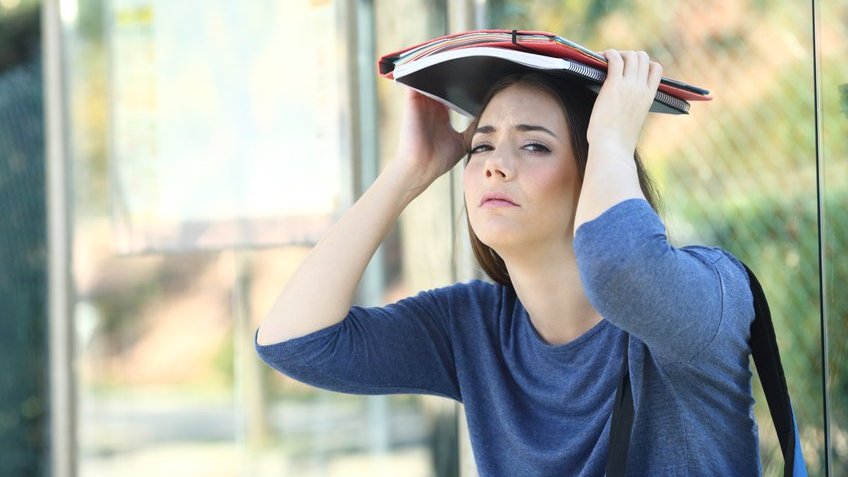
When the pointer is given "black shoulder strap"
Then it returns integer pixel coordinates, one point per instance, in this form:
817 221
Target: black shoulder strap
767 359
769 368
622 422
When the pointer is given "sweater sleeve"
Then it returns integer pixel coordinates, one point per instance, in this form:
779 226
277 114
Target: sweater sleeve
404 347
672 299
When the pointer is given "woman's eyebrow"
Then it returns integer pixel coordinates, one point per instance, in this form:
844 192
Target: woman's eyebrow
534 127
521 127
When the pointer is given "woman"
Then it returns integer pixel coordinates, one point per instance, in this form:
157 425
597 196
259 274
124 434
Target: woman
587 285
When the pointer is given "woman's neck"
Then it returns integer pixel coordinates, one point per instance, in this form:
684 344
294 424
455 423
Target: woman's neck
548 284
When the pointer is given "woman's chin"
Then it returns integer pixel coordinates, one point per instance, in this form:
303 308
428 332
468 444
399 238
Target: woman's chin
517 240
500 241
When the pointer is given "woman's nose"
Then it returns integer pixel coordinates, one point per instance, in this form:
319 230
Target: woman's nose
498 166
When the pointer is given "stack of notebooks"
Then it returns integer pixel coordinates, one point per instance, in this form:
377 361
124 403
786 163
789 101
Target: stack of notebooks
459 69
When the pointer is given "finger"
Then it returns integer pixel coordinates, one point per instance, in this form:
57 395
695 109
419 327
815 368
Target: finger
643 64
418 97
468 134
654 75
416 103
631 63
434 109
413 95
615 64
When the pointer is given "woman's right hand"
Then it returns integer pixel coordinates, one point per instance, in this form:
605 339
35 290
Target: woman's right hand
428 146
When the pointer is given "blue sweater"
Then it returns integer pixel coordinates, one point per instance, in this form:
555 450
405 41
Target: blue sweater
535 409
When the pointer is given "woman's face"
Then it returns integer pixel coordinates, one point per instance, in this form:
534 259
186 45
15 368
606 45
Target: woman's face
521 181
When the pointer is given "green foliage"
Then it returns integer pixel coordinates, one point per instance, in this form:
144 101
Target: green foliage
579 18
90 25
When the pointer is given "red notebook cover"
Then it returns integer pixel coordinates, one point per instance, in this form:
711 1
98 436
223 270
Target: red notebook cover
542 43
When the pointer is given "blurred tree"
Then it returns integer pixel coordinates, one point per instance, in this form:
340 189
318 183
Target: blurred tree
87 82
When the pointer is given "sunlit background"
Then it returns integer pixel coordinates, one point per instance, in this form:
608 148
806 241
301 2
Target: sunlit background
207 145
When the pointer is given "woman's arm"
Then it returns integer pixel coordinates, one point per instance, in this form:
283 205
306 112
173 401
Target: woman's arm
320 292
403 347
617 118
674 300
678 301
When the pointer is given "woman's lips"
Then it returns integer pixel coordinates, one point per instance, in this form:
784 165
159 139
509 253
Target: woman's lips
496 199
492 203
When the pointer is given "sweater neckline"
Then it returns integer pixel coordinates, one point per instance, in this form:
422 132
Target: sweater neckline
570 346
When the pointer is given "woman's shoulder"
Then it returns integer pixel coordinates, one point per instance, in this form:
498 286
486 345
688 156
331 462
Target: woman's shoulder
467 293
732 275
469 300
737 310
725 263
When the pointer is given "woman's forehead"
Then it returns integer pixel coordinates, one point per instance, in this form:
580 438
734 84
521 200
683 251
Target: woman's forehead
523 104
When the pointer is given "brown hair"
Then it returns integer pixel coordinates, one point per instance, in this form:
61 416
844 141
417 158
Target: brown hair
576 101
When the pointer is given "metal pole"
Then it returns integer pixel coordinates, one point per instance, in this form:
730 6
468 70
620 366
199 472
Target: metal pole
371 286
820 200
250 406
62 433
462 15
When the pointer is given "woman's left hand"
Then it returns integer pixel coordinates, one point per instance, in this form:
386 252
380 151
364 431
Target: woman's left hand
624 100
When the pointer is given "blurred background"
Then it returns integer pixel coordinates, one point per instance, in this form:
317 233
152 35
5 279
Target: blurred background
164 167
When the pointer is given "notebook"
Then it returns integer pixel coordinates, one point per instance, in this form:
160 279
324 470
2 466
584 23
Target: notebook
458 70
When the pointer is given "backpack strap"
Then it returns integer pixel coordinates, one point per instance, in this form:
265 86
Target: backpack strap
770 370
622 422
767 359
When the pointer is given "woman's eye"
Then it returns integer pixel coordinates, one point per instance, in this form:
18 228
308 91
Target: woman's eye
479 148
537 147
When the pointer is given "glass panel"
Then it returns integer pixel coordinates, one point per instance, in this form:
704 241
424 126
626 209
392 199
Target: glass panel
168 379
832 32
740 172
207 92
24 400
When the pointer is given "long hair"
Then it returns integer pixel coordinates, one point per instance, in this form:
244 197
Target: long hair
576 102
